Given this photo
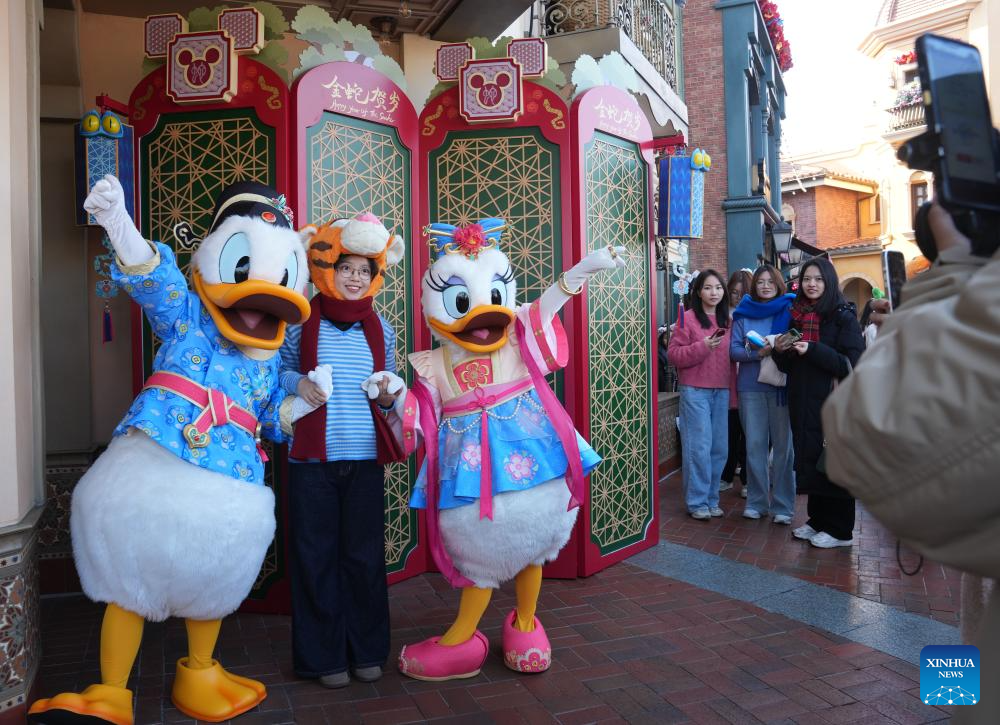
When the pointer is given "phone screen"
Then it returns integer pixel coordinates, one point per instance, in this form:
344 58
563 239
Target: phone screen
957 105
894 271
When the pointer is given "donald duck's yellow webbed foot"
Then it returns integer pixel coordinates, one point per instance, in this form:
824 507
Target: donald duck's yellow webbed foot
95 704
202 689
212 694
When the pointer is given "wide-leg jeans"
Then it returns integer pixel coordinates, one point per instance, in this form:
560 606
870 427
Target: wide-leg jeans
340 599
705 443
766 423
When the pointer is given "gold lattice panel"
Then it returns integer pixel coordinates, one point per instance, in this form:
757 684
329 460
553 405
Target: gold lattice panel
513 175
189 160
356 167
186 161
618 328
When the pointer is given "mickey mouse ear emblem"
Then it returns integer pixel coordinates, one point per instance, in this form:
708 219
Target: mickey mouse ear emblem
269 217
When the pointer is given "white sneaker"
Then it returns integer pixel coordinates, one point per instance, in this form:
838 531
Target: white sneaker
702 514
716 511
725 486
743 493
805 532
782 519
751 514
823 540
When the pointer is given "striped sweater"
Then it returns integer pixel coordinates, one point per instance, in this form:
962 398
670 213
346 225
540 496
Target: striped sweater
350 431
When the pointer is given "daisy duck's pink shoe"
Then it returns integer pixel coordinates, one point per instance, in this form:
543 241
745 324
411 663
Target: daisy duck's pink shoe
435 662
525 651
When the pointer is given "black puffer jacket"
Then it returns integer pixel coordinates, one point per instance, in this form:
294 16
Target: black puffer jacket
810 380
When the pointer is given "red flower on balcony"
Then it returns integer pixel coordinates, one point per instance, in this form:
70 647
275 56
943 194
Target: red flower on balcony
906 58
776 32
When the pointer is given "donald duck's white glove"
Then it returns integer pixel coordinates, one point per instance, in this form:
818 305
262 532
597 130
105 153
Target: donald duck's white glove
106 201
576 276
392 384
322 375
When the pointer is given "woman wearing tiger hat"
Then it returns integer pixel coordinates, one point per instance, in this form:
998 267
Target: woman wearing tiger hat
340 606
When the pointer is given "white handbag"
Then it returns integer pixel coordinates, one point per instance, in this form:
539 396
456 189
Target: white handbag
769 372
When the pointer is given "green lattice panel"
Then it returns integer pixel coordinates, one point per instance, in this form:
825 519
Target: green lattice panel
618 331
512 174
356 166
185 162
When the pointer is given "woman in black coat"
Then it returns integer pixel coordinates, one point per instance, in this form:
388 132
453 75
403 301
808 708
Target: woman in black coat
830 346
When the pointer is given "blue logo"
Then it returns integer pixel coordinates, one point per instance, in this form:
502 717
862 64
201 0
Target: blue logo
949 674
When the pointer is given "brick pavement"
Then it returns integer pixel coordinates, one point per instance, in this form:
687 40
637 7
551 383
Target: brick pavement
868 569
629 646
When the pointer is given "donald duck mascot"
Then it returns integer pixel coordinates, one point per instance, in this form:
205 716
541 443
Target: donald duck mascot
502 476
174 519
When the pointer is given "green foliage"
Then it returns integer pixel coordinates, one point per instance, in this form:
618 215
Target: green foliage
390 68
312 57
586 74
611 70
274 56
359 37
151 64
310 18
203 18
275 25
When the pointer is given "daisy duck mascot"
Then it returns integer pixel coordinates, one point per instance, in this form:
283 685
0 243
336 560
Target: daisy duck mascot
174 519
502 476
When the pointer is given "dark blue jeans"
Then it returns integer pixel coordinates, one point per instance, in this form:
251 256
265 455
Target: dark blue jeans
340 601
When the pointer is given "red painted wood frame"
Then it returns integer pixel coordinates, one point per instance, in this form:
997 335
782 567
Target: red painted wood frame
587 118
370 99
258 87
546 111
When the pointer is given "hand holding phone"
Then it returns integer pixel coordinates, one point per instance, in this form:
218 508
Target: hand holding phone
756 339
719 333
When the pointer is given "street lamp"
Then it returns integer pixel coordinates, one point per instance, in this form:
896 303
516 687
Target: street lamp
781 235
794 252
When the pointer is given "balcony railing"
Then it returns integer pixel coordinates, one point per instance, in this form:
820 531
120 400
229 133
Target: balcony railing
905 117
648 23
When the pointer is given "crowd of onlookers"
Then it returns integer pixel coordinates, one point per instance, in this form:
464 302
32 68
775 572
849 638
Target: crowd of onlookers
754 365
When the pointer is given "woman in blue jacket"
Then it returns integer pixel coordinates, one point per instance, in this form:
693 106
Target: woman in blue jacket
763 407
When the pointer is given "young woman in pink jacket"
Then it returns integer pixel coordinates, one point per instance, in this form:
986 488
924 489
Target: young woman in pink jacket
699 349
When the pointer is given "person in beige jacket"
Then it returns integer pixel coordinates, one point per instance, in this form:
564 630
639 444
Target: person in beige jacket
914 433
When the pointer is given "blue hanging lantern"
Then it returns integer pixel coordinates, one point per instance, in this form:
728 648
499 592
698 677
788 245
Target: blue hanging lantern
103 146
682 195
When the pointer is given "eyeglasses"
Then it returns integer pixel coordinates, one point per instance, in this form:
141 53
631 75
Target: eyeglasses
349 271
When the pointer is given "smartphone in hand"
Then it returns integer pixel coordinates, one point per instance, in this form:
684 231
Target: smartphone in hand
720 332
894 271
793 335
755 338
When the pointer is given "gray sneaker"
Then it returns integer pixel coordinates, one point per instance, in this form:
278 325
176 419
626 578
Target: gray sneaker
336 680
751 514
368 674
805 532
702 514
716 511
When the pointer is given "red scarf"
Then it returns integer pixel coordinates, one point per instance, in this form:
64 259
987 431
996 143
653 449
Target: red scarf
806 320
310 432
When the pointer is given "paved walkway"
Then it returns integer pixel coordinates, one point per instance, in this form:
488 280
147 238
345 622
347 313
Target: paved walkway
868 569
630 645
